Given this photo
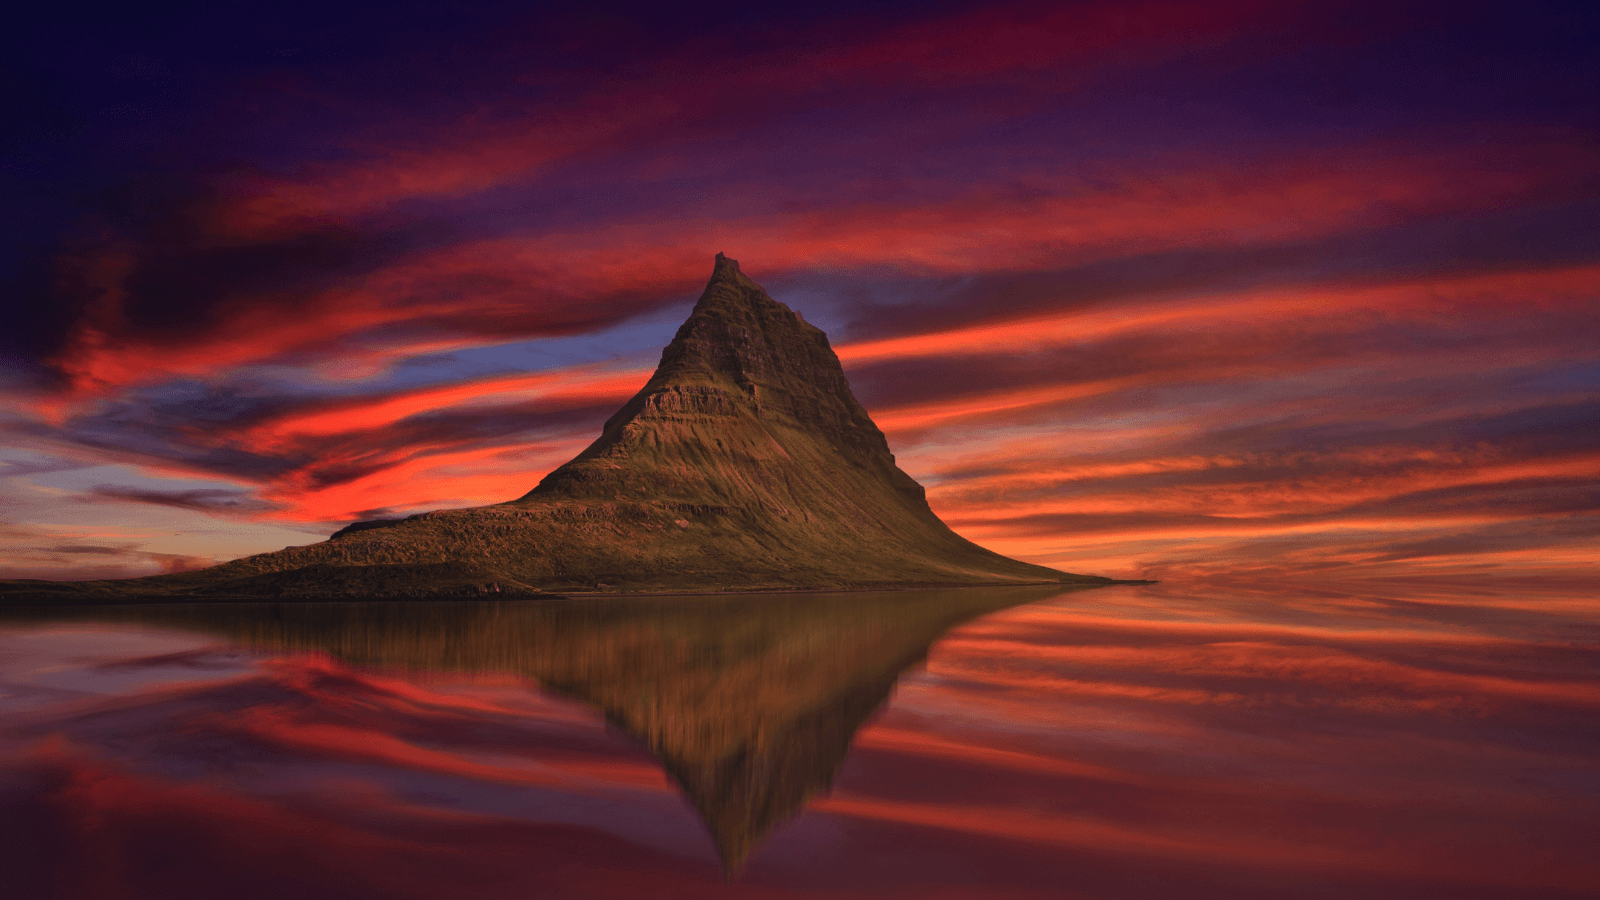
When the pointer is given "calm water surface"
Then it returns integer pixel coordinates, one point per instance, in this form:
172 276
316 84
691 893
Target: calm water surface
1165 741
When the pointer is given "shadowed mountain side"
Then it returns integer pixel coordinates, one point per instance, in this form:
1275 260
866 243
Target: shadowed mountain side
751 707
745 463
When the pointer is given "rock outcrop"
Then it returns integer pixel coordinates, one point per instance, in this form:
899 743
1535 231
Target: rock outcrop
745 463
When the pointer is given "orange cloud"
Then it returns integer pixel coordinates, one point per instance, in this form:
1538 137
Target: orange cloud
585 384
925 415
421 478
1273 488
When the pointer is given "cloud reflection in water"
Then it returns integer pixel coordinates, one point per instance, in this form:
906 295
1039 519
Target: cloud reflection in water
1124 742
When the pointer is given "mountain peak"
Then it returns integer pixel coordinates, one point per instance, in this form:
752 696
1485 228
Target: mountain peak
738 332
744 378
725 270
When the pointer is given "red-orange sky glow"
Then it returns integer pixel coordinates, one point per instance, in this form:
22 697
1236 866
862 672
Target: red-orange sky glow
1166 290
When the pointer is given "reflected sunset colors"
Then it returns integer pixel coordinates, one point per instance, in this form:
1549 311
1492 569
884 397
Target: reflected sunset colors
1128 741
1294 307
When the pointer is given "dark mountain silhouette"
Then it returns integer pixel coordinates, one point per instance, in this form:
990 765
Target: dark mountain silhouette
744 464
750 707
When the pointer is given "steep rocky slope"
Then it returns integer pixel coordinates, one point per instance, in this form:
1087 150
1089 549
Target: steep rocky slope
744 464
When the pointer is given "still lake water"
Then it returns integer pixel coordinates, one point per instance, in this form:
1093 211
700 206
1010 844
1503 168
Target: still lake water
1151 741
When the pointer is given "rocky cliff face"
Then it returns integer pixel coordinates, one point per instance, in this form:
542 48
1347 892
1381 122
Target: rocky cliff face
749 407
745 463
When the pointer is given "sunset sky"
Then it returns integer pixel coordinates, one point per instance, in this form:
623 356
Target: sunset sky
1229 290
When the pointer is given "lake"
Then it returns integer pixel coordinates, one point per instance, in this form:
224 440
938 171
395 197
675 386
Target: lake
1229 740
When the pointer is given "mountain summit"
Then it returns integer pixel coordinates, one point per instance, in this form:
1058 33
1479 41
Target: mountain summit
749 408
745 463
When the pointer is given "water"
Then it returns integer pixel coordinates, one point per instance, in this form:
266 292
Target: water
1223 740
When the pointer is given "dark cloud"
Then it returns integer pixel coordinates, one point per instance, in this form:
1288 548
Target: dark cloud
208 500
85 548
1547 234
40 466
376 514
342 458
1490 541
228 431
178 291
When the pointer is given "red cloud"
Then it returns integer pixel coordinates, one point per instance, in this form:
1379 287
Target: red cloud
554 283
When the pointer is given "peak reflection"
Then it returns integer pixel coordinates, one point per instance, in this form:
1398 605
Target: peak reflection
749 702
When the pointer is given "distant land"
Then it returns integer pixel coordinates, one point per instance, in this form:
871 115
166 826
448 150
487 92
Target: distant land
744 464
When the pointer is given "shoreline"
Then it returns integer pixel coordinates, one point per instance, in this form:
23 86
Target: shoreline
44 600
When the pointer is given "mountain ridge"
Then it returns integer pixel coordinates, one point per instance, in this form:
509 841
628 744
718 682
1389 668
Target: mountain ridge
745 463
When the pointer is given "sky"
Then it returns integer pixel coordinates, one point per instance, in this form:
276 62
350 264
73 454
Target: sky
1218 291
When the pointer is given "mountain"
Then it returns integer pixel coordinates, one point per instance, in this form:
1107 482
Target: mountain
745 463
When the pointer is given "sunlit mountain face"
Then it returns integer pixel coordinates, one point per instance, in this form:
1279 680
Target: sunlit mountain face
1235 291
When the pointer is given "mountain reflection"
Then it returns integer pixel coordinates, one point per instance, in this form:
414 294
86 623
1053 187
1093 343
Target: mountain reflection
749 702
